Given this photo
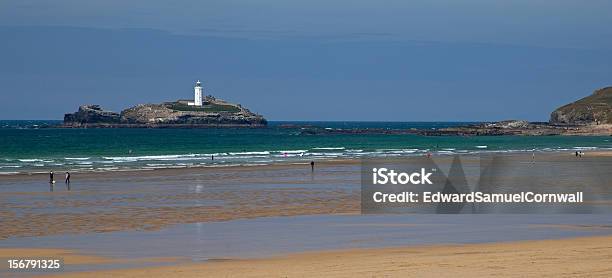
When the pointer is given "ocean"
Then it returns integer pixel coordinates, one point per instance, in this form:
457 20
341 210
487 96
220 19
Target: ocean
33 147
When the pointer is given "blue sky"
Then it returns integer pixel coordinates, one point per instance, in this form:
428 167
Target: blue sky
307 60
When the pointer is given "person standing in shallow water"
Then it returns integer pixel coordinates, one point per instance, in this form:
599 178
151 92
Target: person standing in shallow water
68 181
312 166
51 181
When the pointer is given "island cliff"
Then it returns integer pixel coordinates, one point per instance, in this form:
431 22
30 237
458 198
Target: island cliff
593 109
214 113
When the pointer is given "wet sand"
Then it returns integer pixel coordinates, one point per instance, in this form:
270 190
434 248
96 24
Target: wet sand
151 200
575 257
130 207
273 236
75 260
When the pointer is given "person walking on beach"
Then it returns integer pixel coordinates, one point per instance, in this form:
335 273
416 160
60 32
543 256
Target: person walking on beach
533 157
576 153
312 166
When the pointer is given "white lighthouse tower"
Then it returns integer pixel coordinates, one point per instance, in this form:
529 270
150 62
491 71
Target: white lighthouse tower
197 91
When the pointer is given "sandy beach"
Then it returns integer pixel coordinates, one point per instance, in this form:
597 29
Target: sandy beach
222 209
575 257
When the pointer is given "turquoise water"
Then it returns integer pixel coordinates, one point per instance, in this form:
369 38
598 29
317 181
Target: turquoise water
24 148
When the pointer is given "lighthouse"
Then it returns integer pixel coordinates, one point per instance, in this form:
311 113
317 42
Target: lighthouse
197 91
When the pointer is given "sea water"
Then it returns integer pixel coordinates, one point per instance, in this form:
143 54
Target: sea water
34 146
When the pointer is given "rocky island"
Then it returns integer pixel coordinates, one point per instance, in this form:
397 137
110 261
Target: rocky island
203 112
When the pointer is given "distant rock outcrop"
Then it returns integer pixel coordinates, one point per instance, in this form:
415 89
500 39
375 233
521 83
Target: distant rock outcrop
91 114
508 124
216 113
593 109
